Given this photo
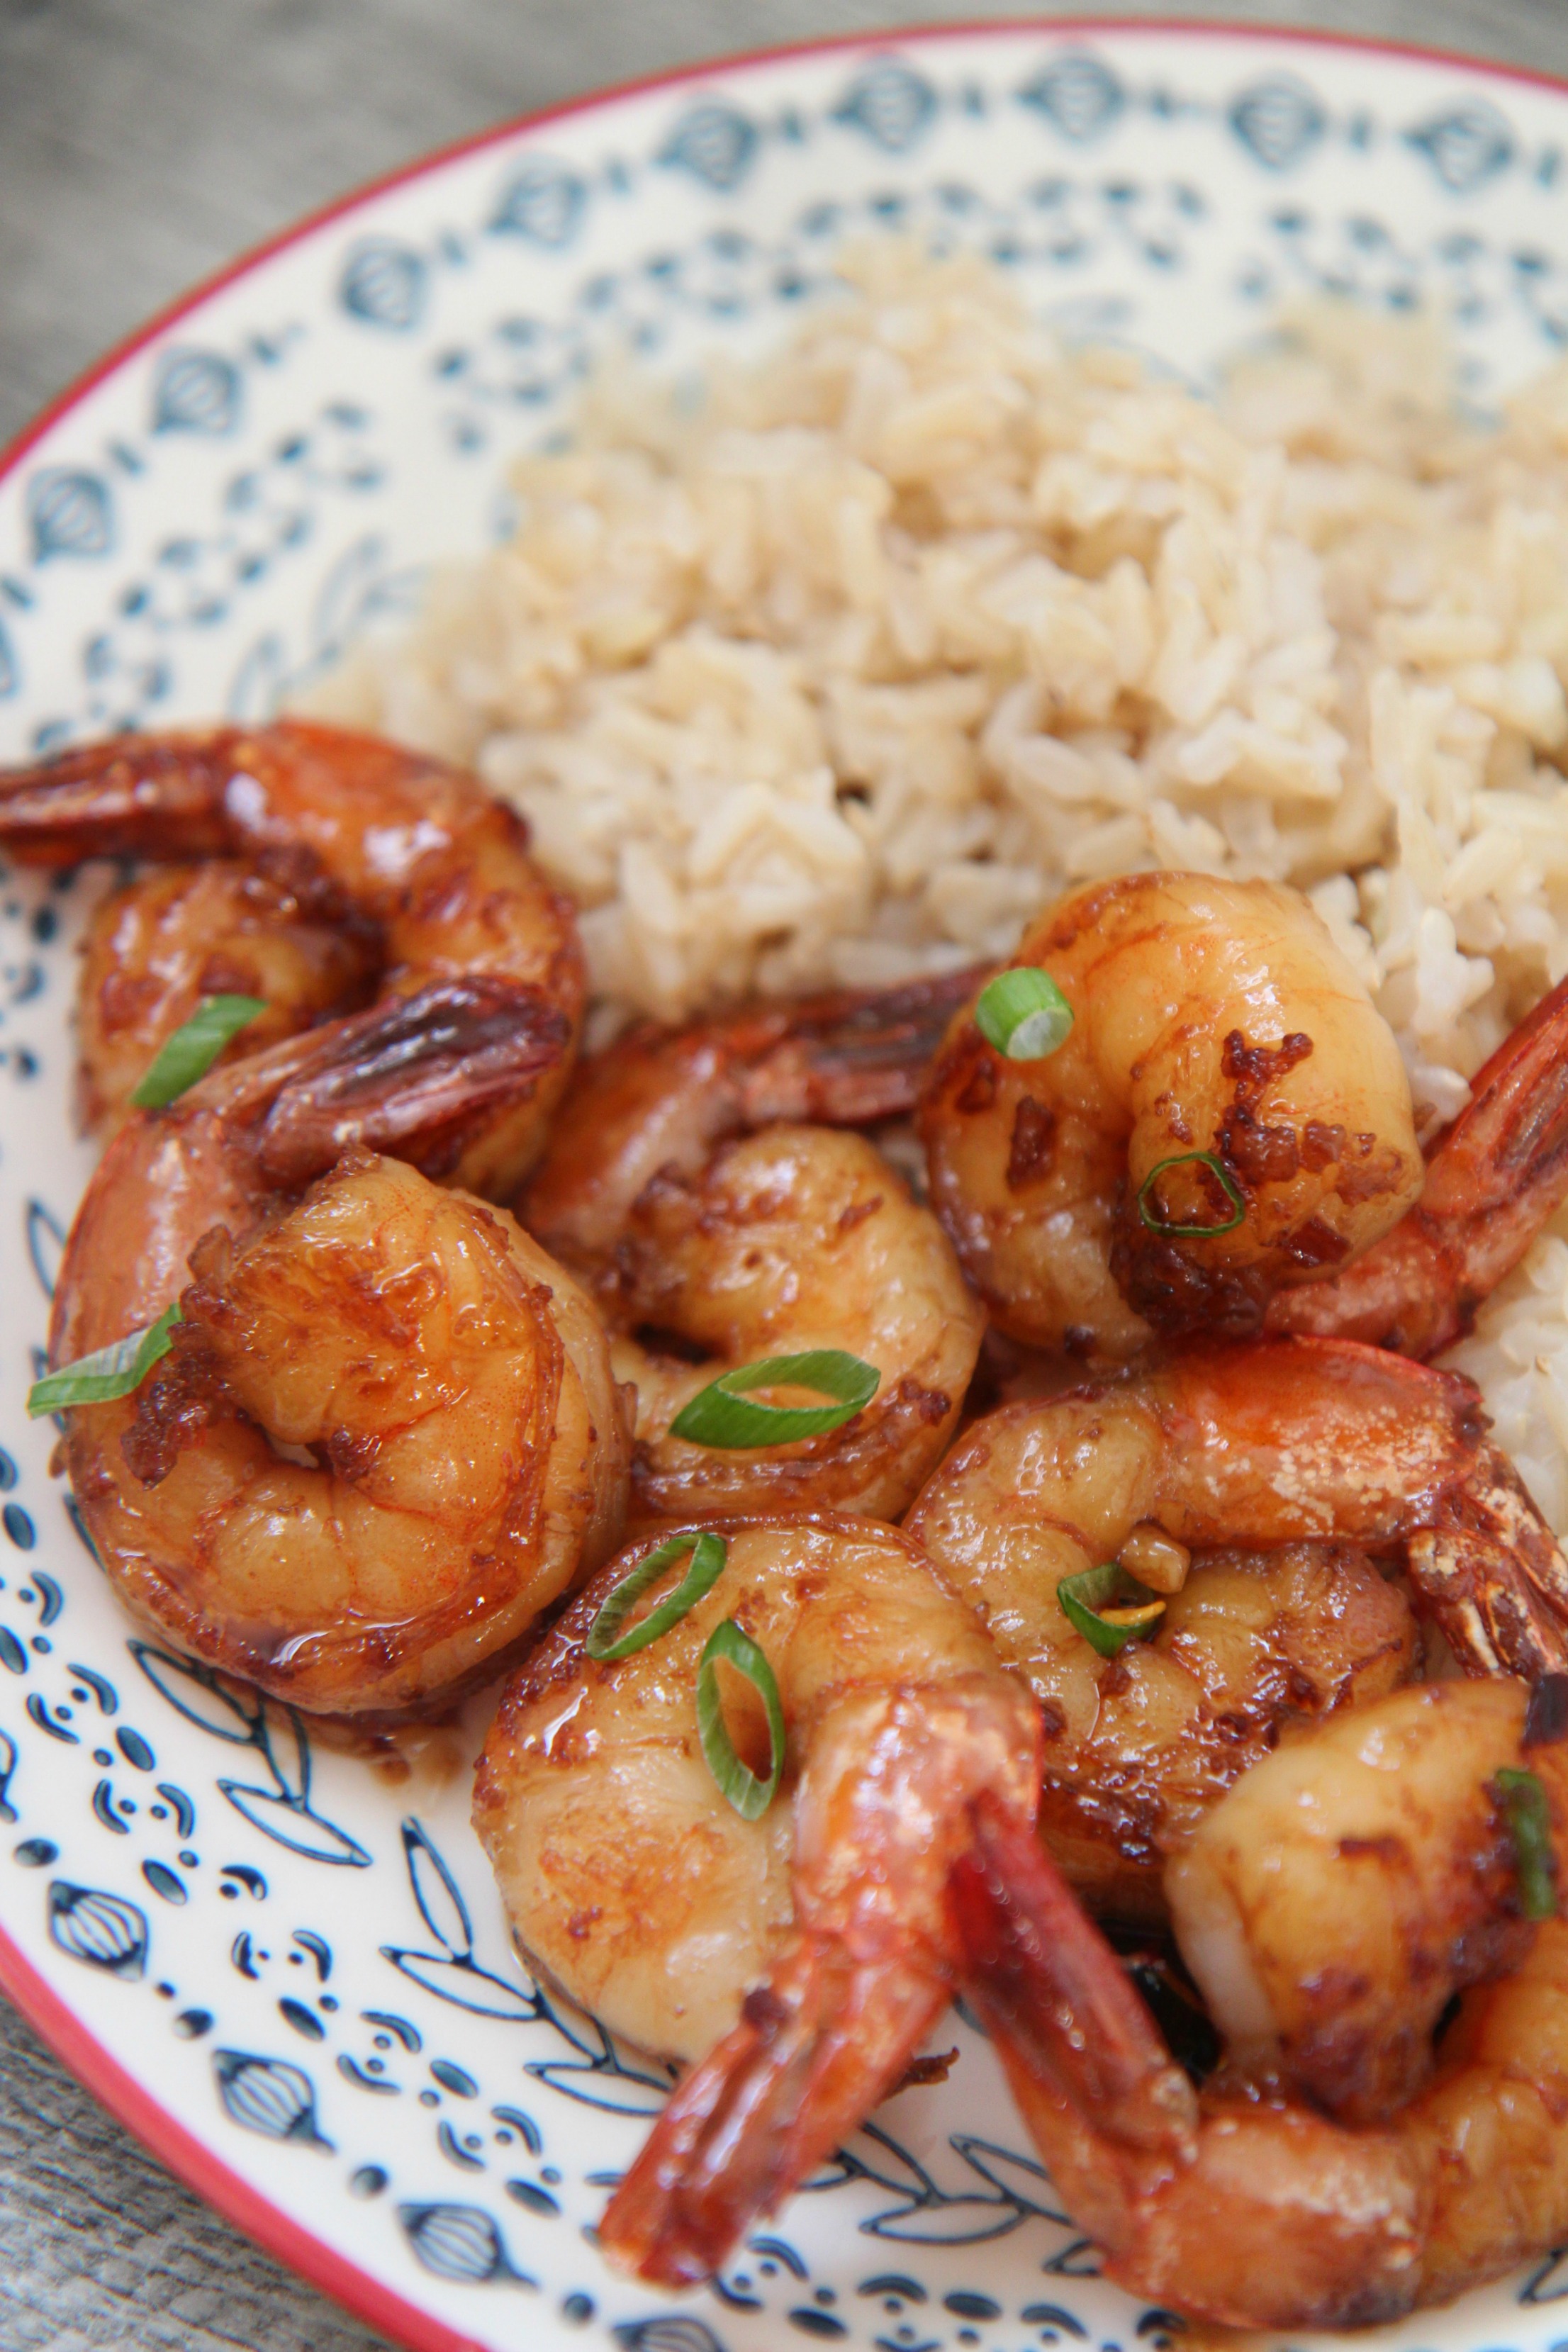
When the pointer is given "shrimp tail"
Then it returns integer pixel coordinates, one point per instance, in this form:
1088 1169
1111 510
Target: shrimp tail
1181 2201
1492 1576
411 1076
819 2042
131 797
851 1057
1495 1178
1073 2035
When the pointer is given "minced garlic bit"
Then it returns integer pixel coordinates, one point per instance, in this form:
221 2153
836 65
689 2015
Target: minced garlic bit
1155 1558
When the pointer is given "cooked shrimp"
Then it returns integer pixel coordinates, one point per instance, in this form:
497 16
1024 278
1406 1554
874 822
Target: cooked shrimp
763 1243
1316 1449
660 1100
1333 1905
1493 1180
417 850
807 1951
452 1385
1215 1028
157 948
1334 1902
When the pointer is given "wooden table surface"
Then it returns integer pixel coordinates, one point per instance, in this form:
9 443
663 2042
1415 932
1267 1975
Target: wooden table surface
142 143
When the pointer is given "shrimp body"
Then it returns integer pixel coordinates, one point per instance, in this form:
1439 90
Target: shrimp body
453 1390
1334 1902
1316 1452
157 947
454 1481
711 1242
807 1952
1387 1885
662 1099
1210 1017
421 854
794 1239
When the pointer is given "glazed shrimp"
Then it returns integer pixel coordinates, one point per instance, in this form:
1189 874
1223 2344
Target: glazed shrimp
465 1450
1215 1021
157 948
797 1959
662 1099
763 1243
420 852
1493 1180
1333 1905
1320 1451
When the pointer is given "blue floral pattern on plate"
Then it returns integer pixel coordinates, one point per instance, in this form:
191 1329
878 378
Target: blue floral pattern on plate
303 1961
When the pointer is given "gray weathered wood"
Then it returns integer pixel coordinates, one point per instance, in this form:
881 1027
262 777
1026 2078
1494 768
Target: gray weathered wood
99 2247
142 143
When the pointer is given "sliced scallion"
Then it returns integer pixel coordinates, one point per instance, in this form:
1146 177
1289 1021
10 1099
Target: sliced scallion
1023 1014
1227 1184
740 1785
1528 1819
605 1639
108 1372
194 1046
723 1414
1109 1607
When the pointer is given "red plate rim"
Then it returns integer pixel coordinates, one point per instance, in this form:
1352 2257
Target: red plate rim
56 2023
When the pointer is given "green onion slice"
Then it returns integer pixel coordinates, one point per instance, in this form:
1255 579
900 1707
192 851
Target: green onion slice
194 1046
605 1639
108 1372
1023 1014
1109 1607
1528 1819
749 1796
1227 1184
722 1415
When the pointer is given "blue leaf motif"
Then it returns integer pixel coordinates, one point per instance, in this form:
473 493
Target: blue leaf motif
7 1766
1279 120
452 1974
45 1245
460 2242
268 2095
544 203
10 670
1076 93
950 2221
257 688
441 1907
289 1822
890 103
384 284
196 392
1467 147
283 1813
102 1929
196 1693
68 513
713 142
1020 2179
357 589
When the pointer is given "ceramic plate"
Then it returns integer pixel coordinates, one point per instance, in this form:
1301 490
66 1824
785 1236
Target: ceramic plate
287 1974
